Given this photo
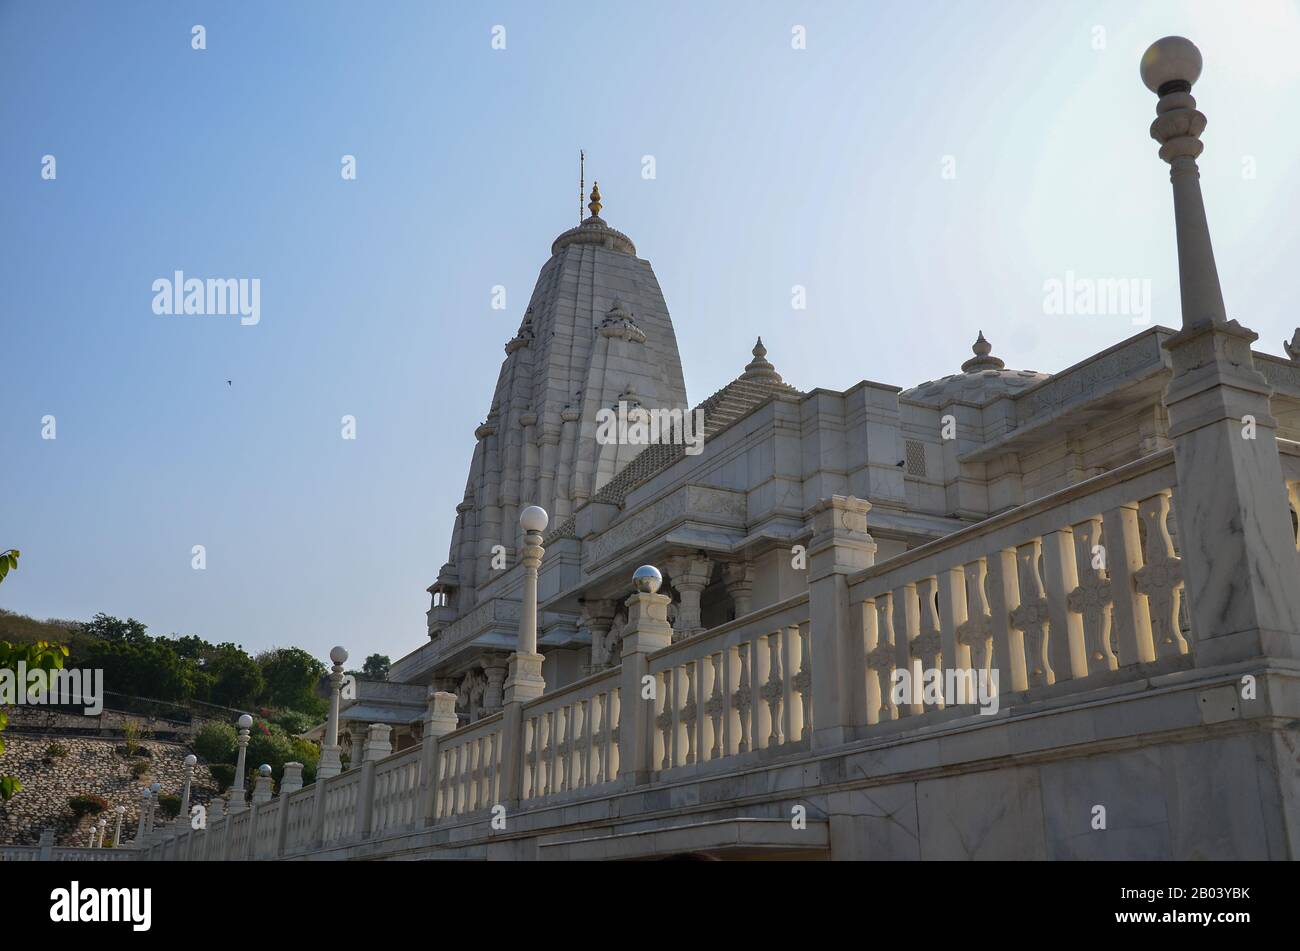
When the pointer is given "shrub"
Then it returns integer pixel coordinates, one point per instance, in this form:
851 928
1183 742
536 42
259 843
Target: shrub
133 732
56 750
293 722
223 774
307 753
87 804
169 805
139 768
216 742
269 744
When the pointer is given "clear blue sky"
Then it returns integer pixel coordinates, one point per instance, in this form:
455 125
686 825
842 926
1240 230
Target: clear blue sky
775 167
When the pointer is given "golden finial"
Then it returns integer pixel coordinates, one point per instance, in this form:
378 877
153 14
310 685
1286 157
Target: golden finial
594 204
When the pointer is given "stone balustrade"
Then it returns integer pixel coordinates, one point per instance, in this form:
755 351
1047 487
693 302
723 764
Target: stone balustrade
397 791
571 737
1073 591
1081 585
744 687
469 768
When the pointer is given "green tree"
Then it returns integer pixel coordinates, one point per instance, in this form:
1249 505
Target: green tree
376 667
291 676
141 666
236 679
42 655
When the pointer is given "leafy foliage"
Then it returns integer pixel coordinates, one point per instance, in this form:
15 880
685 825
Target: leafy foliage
223 774
8 562
42 655
56 750
169 805
291 676
87 804
376 667
216 742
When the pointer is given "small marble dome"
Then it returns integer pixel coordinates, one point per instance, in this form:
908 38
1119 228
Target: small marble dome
983 377
593 230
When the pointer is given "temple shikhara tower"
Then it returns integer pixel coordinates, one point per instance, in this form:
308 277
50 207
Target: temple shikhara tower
637 650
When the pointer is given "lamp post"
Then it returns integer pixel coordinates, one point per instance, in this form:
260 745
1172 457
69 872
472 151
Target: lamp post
117 829
524 679
237 791
154 790
330 763
102 827
190 762
142 822
1234 522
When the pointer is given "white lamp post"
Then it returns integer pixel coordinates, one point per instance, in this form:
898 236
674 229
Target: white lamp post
237 792
330 763
190 762
117 830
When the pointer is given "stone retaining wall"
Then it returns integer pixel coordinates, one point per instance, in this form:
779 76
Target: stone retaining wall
91 765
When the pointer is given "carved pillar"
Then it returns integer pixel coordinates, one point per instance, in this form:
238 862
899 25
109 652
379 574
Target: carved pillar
495 667
598 618
840 547
530 495
550 444
647 631
357 734
439 720
564 473
689 575
525 681
739 579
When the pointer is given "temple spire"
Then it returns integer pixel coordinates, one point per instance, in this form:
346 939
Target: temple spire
760 369
595 204
982 359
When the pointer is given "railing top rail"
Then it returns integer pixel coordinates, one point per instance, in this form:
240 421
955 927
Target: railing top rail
394 760
342 780
306 794
591 684
903 566
763 621
470 730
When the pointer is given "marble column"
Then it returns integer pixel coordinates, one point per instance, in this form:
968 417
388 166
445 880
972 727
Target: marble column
840 546
531 461
379 741
330 762
564 480
525 681
598 618
439 720
495 668
739 579
262 786
1234 522
689 575
647 631
187 772
237 803
357 734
